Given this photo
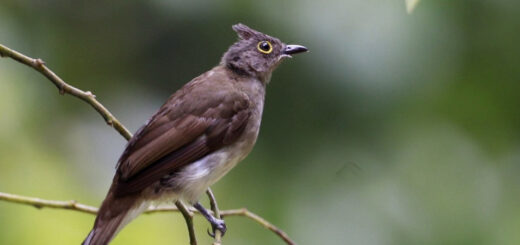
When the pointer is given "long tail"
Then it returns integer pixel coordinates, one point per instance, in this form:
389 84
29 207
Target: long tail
114 214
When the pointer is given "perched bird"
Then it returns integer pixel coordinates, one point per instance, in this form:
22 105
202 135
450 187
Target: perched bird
200 133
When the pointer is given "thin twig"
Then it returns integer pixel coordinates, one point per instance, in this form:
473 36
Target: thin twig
42 203
90 98
65 88
188 216
75 206
266 224
216 213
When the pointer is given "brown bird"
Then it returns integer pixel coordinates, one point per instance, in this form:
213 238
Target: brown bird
200 133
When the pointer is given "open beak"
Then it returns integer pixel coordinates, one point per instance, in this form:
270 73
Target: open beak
294 49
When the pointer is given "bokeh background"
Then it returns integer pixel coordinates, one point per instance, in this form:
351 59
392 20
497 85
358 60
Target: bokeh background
394 129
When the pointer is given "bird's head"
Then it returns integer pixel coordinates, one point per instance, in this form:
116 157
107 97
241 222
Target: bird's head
257 54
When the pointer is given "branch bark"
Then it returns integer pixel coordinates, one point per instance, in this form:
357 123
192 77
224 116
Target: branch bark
65 88
75 206
216 213
111 120
188 216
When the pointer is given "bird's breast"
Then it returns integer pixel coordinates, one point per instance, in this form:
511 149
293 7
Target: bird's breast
193 180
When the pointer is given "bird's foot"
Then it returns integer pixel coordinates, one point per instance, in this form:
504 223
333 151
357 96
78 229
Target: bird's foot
217 224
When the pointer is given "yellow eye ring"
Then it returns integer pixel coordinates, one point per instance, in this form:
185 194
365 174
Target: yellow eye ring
265 47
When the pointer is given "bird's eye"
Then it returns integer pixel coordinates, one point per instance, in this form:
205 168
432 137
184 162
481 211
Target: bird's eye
265 47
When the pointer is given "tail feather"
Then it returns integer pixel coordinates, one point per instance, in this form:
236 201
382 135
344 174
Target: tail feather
113 215
88 240
103 234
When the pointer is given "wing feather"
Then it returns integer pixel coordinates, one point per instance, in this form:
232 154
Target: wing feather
181 133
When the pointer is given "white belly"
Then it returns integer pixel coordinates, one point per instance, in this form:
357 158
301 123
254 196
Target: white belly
193 180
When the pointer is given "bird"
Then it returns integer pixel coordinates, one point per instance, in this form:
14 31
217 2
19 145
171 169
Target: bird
197 136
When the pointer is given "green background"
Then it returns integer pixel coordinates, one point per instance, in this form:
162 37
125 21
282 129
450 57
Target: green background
394 129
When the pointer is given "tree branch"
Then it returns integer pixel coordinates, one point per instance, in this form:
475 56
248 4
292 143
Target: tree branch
216 213
188 216
75 206
111 120
65 88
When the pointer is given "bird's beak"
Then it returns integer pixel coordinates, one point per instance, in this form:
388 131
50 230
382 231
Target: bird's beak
294 49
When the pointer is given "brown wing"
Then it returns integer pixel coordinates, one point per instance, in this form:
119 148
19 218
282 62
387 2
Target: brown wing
185 129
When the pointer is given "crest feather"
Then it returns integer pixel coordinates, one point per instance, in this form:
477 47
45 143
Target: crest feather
245 32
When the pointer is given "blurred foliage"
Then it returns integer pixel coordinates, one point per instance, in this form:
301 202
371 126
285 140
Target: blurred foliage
394 129
410 5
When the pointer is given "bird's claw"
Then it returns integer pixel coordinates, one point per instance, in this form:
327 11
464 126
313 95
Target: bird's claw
217 224
210 234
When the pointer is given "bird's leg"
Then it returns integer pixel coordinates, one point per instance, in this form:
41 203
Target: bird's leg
216 224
